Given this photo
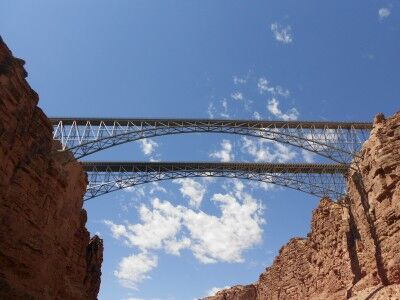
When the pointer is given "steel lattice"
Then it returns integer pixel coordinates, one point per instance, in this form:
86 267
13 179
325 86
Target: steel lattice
338 141
322 180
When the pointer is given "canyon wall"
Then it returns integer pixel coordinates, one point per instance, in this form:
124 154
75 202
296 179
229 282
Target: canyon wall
353 248
45 250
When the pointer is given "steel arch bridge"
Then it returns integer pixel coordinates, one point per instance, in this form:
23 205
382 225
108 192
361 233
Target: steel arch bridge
338 141
323 180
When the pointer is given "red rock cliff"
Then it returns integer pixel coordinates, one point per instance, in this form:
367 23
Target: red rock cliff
353 249
45 250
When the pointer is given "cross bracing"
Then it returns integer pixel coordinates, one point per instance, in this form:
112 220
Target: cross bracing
322 180
338 141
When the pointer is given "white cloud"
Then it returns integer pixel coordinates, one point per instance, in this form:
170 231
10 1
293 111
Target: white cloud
140 191
273 108
282 34
257 115
237 96
319 141
133 269
211 110
148 146
174 246
224 238
384 12
267 151
239 80
225 104
224 112
264 86
116 230
281 91
214 290
308 156
369 56
159 225
191 189
155 187
225 154
211 238
262 185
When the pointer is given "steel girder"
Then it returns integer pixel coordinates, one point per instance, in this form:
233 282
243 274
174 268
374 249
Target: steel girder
322 180
338 141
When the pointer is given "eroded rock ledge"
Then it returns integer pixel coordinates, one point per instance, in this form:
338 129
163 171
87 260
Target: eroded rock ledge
353 248
45 250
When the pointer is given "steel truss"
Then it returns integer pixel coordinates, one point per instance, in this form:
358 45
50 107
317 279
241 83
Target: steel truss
322 180
338 141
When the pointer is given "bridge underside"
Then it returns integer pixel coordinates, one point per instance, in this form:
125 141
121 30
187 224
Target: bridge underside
337 141
322 180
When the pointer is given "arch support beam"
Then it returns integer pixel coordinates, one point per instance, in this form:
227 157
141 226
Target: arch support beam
338 141
321 180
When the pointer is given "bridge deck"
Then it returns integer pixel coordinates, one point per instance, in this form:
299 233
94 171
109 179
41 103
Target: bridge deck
114 166
237 123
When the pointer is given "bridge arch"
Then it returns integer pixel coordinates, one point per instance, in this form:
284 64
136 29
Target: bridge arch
322 180
337 141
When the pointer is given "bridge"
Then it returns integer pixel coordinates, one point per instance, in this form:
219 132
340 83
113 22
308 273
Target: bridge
337 141
316 179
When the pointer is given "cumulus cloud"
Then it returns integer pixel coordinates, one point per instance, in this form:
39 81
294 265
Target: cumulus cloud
174 246
225 154
383 13
148 146
281 33
191 189
267 151
225 238
273 108
133 269
211 238
237 96
158 225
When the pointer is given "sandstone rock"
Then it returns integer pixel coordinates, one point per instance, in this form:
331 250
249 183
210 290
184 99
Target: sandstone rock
353 249
238 292
45 249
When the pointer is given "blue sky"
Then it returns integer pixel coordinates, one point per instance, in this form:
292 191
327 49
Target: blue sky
306 60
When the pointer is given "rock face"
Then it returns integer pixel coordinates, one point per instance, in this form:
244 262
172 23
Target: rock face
45 249
353 249
237 292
